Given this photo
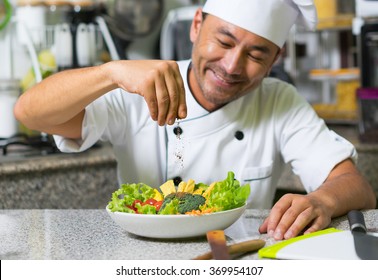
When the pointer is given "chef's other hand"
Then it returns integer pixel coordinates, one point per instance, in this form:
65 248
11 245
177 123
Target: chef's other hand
159 82
294 214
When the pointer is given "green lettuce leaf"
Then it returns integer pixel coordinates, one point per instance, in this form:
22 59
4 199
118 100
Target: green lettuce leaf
145 209
126 195
171 208
227 194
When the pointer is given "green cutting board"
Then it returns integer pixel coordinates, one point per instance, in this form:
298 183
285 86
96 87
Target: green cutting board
321 245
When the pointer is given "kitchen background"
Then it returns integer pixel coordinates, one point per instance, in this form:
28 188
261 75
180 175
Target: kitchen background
335 68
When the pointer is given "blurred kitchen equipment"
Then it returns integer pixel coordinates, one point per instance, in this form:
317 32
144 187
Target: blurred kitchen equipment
72 34
57 11
85 44
326 8
30 13
365 11
63 46
368 42
366 8
9 92
334 13
5 43
9 84
47 63
365 27
131 19
368 114
22 145
86 39
72 30
85 31
13 37
175 42
128 19
107 38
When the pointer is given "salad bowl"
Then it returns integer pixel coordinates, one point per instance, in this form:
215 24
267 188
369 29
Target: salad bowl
175 226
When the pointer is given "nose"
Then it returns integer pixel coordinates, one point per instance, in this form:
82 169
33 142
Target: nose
234 62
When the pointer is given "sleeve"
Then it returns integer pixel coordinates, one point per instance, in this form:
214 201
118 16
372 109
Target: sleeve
94 124
306 142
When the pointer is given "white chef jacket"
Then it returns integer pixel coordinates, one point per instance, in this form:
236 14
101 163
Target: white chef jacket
253 136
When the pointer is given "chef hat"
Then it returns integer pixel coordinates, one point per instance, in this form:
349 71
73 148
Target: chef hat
271 19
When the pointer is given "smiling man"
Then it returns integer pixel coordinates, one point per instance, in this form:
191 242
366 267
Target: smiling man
233 117
228 62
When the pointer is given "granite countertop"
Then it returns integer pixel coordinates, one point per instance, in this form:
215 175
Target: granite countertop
58 181
102 153
92 235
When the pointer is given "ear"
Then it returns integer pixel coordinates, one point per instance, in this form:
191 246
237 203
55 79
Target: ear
278 55
196 25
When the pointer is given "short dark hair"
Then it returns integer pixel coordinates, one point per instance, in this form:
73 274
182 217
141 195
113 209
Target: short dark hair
204 16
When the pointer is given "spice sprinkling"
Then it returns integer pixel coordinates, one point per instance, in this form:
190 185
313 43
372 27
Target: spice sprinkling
179 145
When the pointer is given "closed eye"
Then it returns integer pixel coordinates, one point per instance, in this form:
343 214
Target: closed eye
254 57
224 44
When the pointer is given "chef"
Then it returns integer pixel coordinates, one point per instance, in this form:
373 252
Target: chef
218 112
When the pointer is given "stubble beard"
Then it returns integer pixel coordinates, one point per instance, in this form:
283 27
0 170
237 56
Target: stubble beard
217 96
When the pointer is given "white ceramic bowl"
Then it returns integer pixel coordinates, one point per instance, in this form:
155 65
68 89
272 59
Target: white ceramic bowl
175 226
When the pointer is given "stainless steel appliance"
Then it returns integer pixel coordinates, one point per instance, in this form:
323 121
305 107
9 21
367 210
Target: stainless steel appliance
365 25
368 114
174 41
369 54
366 8
128 20
22 145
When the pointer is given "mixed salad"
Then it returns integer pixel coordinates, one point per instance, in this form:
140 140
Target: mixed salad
186 198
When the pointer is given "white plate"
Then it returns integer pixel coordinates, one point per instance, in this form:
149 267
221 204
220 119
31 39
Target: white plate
175 226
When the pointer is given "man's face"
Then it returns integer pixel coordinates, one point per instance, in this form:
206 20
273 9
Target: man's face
227 61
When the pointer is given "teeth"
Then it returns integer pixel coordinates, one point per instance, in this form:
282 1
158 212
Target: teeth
225 80
222 79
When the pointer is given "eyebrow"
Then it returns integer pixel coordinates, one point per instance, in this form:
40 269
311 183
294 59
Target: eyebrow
261 48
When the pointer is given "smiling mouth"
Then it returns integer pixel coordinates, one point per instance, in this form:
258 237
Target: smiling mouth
225 81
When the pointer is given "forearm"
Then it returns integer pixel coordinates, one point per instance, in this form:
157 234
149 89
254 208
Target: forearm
60 99
344 192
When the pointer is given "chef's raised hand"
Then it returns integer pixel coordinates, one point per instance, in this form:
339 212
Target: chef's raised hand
159 82
57 104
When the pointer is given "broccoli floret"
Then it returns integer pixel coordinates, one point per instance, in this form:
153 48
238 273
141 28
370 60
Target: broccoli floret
187 201
190 202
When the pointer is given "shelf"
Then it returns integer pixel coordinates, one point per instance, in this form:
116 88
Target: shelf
324 67
339 22
332 114
346 74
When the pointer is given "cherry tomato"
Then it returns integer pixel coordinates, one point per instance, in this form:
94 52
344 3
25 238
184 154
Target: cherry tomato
150 201
135 202
158 205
